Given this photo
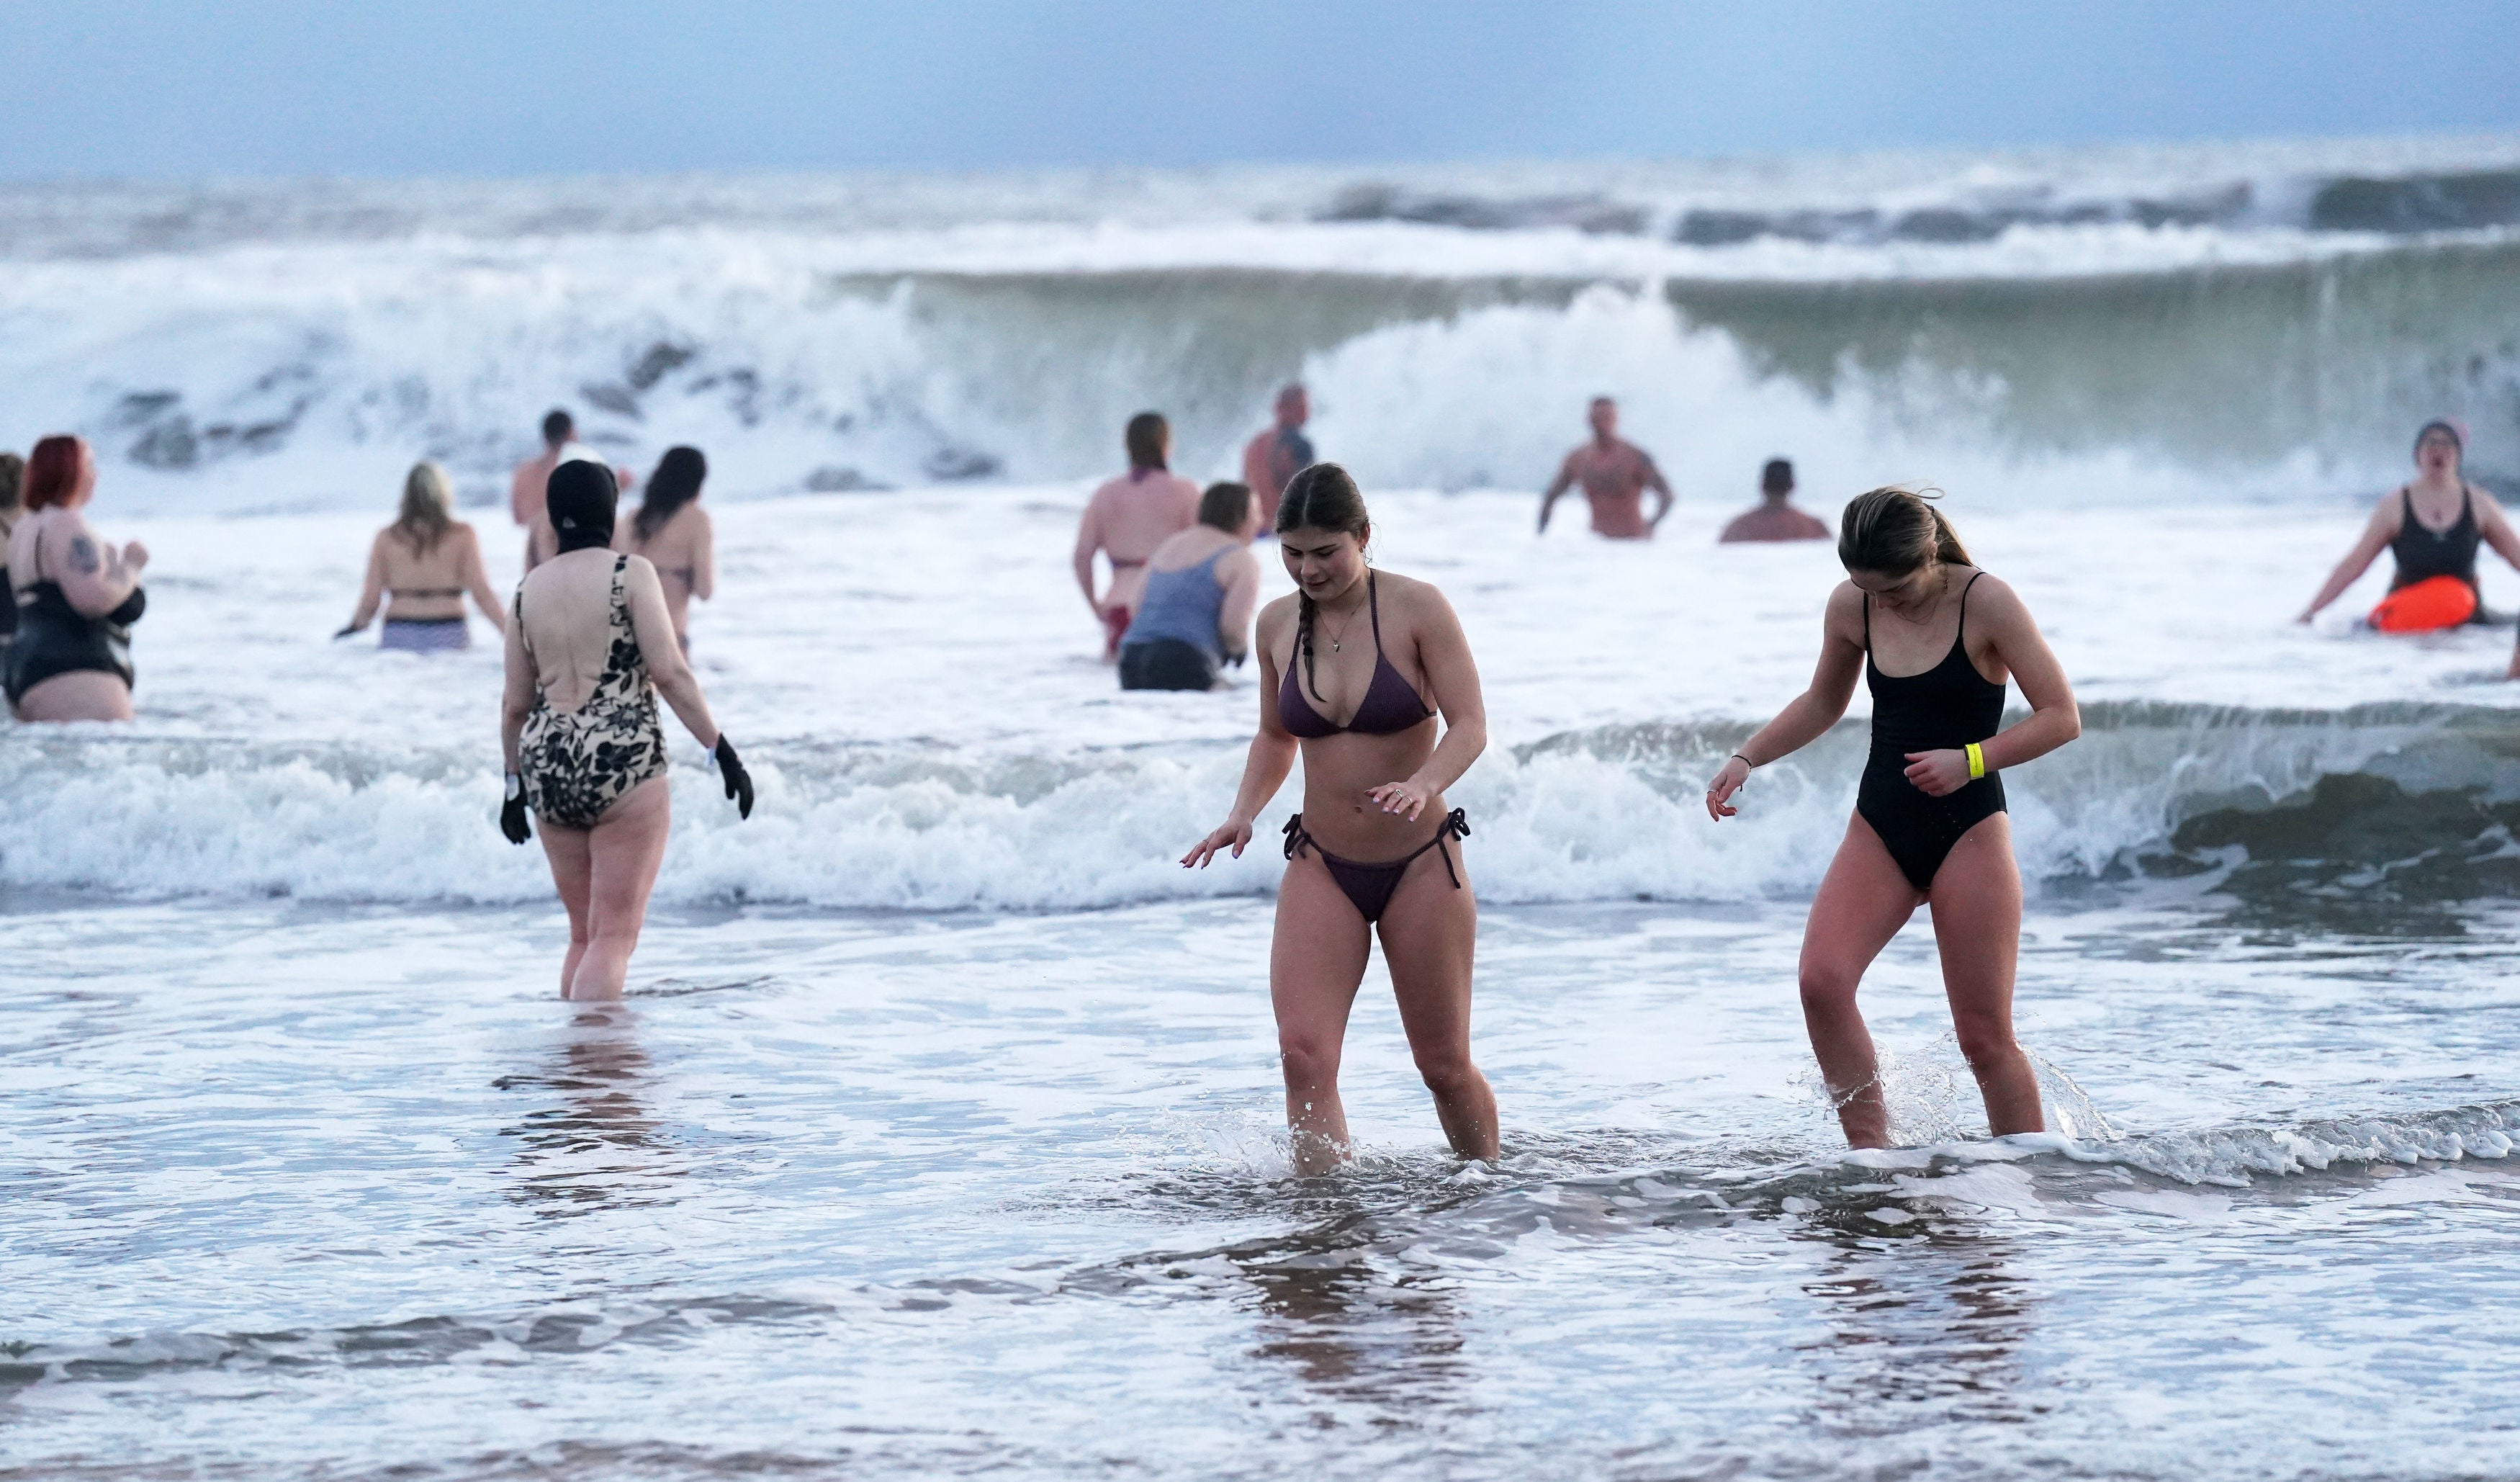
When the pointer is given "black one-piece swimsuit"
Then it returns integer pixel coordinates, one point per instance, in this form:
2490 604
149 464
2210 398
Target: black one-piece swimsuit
1943 710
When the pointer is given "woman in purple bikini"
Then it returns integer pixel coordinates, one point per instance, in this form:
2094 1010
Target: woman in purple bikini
1367 852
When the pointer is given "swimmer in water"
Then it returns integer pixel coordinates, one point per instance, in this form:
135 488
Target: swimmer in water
1367 853
525 488
674 533
428 560
1776 518
1279 453
1202 586
1126 519
13 481
78 596
589 644
1934 638
1615 474
2432 527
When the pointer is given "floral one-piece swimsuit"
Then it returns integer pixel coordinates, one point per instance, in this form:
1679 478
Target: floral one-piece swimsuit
577 763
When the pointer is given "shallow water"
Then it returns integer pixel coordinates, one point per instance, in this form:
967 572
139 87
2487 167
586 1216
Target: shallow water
940 1131
337 1191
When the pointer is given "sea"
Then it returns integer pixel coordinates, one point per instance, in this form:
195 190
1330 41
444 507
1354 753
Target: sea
938 1134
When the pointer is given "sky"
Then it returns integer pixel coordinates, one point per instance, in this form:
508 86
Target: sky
165 89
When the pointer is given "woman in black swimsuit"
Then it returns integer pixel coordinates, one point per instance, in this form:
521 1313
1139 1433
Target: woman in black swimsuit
2431 525
76 597
1934 638
1366 853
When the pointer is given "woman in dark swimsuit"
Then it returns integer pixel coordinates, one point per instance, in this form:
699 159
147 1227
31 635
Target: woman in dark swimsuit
675 534
1934 638
76 597
2431 525
1366 853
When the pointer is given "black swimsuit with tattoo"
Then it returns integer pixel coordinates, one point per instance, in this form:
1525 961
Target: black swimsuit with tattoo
55 638
1943 710
1389 707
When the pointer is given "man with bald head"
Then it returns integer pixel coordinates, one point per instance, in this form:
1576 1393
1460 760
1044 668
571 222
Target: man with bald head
1615 474
1279 453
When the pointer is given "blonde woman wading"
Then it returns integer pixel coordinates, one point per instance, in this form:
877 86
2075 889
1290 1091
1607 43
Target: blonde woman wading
1355 668
420 568
1934 638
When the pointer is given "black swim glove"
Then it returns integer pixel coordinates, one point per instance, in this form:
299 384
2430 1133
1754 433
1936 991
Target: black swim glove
738 782
512 813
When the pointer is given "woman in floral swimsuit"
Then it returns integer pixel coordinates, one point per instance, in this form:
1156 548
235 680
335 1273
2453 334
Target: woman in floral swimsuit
590 645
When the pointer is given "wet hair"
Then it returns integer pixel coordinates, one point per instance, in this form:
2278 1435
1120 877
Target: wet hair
557 426
1778 477
675 483
426 517
13 479
2441 425
581 498
1145 438
1896 530
52 471
1321 497
1602 401
1226 506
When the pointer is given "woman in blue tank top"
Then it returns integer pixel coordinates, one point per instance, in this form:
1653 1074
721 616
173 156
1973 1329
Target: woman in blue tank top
1202 586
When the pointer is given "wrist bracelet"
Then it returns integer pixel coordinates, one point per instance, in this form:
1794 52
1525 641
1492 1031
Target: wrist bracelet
1977 760
1745 761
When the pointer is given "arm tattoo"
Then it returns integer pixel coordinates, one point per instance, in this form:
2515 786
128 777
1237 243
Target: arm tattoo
83 558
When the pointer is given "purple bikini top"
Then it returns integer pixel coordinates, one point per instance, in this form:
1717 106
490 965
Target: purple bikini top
1391 704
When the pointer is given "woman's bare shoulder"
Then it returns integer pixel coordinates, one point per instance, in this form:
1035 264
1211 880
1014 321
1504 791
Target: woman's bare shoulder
1279 613
1995 597
1408 592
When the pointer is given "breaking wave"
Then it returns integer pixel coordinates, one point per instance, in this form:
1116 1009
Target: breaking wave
2173 326
2385 803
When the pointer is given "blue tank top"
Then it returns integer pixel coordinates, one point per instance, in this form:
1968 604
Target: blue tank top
1181 605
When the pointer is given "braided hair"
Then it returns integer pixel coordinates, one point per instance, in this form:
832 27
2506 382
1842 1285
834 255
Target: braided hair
1321 497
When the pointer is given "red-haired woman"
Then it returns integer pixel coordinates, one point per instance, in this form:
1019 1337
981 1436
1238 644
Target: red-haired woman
77 597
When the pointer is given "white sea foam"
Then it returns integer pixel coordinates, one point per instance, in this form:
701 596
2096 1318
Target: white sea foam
927 741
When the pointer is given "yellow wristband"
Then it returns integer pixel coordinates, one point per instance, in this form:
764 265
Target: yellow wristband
1977 760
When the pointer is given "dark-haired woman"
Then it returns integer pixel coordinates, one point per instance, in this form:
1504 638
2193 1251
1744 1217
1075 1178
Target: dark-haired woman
1935 639
673 532
13 484
78 596
588 645
2431 526
1374 849
427 559
1202 586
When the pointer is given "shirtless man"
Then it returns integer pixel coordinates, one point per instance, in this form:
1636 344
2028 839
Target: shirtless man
1126 519
1279 453
1615 476
1775 518
525 491
525 488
